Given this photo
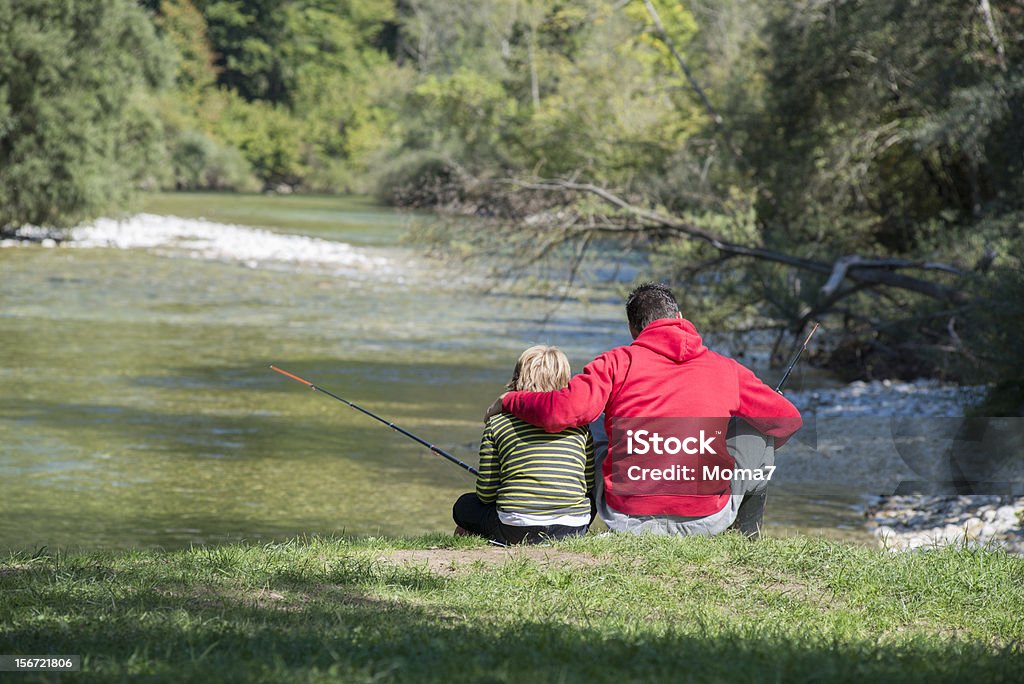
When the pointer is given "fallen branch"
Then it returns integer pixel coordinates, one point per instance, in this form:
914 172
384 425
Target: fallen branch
855 268
843 264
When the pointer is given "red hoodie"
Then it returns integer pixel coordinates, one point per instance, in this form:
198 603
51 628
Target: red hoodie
666 372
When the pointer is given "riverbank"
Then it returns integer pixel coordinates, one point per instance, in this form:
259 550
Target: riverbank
603 608
902 523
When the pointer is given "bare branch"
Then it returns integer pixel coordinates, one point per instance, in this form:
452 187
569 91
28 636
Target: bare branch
990 25
828 304
869 271
844 263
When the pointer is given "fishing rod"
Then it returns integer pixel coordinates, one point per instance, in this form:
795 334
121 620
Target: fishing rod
436 450
796 357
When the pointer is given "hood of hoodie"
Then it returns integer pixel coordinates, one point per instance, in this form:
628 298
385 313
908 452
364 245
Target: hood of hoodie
675 338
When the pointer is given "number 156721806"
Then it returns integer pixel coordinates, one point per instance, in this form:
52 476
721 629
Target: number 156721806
63 663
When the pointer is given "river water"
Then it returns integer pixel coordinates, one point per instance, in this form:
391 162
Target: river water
137 407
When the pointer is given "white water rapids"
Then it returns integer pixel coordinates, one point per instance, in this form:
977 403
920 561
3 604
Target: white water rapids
202 239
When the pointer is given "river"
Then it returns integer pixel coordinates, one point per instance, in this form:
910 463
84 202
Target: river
137 407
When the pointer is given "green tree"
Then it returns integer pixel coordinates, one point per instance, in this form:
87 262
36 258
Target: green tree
538 87
298 82
883 118
77 129
198 157
245 35
185 28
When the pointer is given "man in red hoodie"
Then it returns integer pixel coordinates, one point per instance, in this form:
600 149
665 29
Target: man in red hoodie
668 383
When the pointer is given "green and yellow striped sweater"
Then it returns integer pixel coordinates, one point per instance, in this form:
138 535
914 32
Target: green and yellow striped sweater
528 470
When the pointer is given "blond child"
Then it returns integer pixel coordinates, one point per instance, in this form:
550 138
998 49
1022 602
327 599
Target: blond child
533 485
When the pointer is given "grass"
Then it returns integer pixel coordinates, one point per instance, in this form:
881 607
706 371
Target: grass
604 608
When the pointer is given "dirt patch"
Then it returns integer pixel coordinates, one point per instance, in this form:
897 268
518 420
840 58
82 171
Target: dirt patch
14 570
452 561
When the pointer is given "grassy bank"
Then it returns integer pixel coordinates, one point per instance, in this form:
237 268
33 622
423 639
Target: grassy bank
598 609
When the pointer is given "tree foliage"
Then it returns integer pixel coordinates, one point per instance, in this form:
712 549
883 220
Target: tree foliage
860 160
77 127
894 129
889 122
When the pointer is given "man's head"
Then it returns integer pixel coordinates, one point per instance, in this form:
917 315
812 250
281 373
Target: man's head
648 303
540 369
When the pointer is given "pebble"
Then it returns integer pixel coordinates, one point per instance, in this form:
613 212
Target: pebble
923 397
902 523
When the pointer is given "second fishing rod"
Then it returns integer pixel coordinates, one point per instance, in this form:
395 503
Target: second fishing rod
796 357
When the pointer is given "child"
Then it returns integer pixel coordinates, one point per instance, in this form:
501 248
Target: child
533 485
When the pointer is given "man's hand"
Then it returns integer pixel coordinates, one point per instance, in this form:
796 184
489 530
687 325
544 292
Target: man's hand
494 409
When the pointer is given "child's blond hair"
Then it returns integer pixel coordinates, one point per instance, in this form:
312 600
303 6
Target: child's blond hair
540 369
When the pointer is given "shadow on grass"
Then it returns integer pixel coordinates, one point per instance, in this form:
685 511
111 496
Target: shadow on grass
360 620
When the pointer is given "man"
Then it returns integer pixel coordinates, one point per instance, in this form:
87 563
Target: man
668 380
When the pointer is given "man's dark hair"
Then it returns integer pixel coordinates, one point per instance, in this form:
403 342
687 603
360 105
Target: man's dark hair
648 303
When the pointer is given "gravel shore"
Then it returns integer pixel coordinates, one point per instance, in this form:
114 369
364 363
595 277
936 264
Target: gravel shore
902 523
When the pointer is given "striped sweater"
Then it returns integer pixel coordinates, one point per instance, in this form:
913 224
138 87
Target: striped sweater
527 470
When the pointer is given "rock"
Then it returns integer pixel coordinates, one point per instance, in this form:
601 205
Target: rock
916 542
973 527
1007 515
921 522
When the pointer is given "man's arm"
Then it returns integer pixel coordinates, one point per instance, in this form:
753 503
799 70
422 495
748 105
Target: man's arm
765 409
578 404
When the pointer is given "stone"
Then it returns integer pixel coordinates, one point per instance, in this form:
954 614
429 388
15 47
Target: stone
1007 514
973 527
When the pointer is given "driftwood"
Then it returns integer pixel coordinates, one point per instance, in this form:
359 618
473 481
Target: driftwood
842 265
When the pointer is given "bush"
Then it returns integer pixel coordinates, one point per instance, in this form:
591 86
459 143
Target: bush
269 137
73 140
994 332
201 163
421 179
331 176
